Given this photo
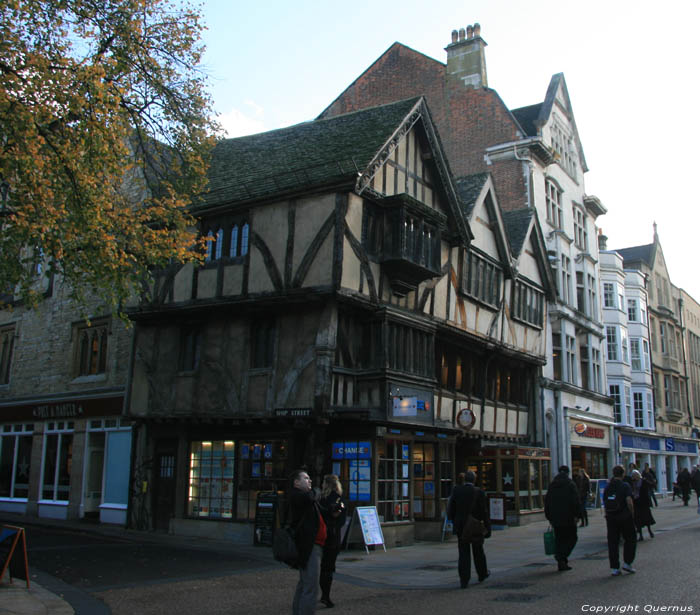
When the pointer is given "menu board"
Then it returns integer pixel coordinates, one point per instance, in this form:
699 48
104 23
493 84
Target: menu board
265 517
369 525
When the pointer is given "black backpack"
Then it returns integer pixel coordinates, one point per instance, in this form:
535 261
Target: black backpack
614 498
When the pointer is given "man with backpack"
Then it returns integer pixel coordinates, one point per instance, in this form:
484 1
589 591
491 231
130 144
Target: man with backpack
619 518
562 508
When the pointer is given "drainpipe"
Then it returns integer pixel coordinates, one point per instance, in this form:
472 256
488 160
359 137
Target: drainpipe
543 416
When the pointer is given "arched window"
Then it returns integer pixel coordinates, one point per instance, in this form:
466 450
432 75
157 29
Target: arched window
210 246
234 241
244 239
219 243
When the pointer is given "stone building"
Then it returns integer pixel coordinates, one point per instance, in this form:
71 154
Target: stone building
673 443
64 445
361 313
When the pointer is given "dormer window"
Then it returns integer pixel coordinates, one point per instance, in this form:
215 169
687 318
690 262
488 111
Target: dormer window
481 278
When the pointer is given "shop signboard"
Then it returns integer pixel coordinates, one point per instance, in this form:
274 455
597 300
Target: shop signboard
677 446
351 450
640 442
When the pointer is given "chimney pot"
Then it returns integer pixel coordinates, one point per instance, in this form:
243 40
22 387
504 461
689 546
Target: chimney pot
461 34
477 29
454 36
470 31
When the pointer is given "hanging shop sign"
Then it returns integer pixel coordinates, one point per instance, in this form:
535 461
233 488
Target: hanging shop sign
466 419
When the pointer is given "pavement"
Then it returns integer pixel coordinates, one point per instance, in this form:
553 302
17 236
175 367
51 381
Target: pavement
423 565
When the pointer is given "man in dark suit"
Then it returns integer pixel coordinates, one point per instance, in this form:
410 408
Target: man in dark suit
562 508
468 499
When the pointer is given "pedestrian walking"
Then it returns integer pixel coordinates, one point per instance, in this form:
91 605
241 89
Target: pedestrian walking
334 514
562 508
583 484
684 485
642 505
305 515
695 481
649 476
619 519
468 500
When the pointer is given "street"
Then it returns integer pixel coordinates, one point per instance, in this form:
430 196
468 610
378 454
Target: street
145 574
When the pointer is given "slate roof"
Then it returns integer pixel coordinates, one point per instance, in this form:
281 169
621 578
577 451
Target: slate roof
468 190
305 156
638 253
526 117
517 223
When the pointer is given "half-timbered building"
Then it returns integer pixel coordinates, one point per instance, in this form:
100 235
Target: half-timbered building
360 312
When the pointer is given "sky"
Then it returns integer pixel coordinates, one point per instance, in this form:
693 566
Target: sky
630 68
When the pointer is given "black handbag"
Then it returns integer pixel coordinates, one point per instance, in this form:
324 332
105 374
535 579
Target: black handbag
284 546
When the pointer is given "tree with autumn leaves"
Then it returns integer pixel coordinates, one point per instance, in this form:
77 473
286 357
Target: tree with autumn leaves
105 134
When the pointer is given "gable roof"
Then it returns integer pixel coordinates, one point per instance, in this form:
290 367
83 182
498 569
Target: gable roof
301 157
517 223
469 189
527 118
638 253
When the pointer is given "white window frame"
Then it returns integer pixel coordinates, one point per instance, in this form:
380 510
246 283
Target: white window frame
62 429
14 432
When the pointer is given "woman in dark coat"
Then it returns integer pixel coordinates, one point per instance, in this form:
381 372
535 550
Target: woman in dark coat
642 504
333 510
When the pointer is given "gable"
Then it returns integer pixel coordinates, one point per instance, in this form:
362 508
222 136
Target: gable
407 169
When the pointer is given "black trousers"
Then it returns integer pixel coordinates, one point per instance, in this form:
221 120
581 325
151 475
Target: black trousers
625 528
464 565
566 538
327 569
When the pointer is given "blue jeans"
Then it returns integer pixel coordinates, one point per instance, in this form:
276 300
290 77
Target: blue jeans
306 595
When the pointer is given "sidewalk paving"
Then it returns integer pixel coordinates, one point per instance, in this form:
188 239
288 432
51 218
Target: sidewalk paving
424 565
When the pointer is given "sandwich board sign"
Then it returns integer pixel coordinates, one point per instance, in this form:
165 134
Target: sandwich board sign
368 523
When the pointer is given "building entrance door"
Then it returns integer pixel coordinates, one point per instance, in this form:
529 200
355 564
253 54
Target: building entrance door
94 473
164 487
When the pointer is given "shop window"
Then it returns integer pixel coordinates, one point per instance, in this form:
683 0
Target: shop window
15 460
446 475
212 465
352 464
393 480
424 478
262 466
58 461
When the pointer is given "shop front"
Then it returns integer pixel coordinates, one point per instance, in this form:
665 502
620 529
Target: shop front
590 448
521 474
666 456
66 459
407 473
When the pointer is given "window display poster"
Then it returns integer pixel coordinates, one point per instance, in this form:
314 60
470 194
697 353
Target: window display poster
336 468
256 451
255 469
360 480
404 470
268 451
268 468
404 451
245 451
429 488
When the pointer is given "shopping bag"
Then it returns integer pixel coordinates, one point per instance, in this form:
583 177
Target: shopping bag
549 542
284 548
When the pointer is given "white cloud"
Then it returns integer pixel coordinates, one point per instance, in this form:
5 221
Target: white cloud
238 123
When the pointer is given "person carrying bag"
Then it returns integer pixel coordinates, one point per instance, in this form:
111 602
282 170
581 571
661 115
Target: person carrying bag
468 511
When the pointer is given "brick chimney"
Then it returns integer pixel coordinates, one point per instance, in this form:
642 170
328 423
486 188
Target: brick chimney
466 58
